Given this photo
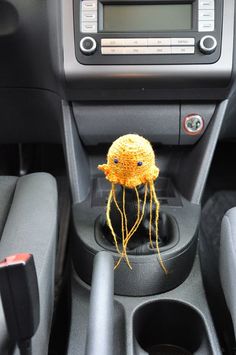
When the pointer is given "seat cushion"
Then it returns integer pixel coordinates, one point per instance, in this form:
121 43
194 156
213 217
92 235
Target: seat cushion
228 261
31 227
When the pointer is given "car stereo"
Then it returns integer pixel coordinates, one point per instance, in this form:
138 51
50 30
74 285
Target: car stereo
109 32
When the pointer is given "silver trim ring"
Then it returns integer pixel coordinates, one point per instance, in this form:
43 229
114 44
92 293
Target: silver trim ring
206 49
90 50
191 131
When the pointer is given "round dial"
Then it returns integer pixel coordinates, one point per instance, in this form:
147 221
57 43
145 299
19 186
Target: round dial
88 45
208 44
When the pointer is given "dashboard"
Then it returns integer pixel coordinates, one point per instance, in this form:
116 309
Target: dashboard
41 44
197 57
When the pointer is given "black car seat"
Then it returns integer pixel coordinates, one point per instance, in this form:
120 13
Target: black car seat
28 224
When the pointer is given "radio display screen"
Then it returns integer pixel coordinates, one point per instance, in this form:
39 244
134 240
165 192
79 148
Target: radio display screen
146 18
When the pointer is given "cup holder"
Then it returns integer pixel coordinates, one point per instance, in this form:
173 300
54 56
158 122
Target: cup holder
170 327
167 349
177 231
168 236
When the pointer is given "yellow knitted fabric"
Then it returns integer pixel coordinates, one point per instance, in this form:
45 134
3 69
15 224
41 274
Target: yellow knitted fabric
130 163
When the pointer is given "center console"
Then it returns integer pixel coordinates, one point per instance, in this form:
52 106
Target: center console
145 293
161 69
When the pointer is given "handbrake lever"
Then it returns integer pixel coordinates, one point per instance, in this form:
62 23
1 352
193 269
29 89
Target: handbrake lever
20 299
101 312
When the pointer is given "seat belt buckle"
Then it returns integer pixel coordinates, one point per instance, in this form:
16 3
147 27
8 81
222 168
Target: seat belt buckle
20 296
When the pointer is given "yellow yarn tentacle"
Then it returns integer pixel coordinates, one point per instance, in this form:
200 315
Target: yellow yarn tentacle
136 227
124 213
121 213
118 263
122 228
156 226
126 230
142 215
150 220
108 218
138 212
137 222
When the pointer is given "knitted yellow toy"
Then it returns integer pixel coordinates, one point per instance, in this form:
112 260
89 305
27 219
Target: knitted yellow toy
130 163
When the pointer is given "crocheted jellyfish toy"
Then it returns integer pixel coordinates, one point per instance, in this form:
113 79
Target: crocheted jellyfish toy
131 163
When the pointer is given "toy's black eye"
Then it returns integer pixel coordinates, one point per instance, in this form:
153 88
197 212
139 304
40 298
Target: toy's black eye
139 163
116 161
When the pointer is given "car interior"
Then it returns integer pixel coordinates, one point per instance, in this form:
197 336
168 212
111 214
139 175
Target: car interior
117 177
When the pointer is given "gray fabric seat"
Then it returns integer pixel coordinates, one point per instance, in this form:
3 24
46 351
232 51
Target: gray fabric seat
28 223
228 261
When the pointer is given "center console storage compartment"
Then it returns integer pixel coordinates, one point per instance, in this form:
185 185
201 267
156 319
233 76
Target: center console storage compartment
170 327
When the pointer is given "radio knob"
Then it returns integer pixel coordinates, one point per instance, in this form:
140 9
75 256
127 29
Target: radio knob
208 44
88 45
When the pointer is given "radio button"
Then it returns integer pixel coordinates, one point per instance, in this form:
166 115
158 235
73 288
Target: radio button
206 4
112 50
146 50
158 50
182 41
206 26
134 50
88 16
88 5
109 42
135 42
89 27
158 41
183 50
206 15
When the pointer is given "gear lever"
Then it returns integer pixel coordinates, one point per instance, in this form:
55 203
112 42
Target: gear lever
20 299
